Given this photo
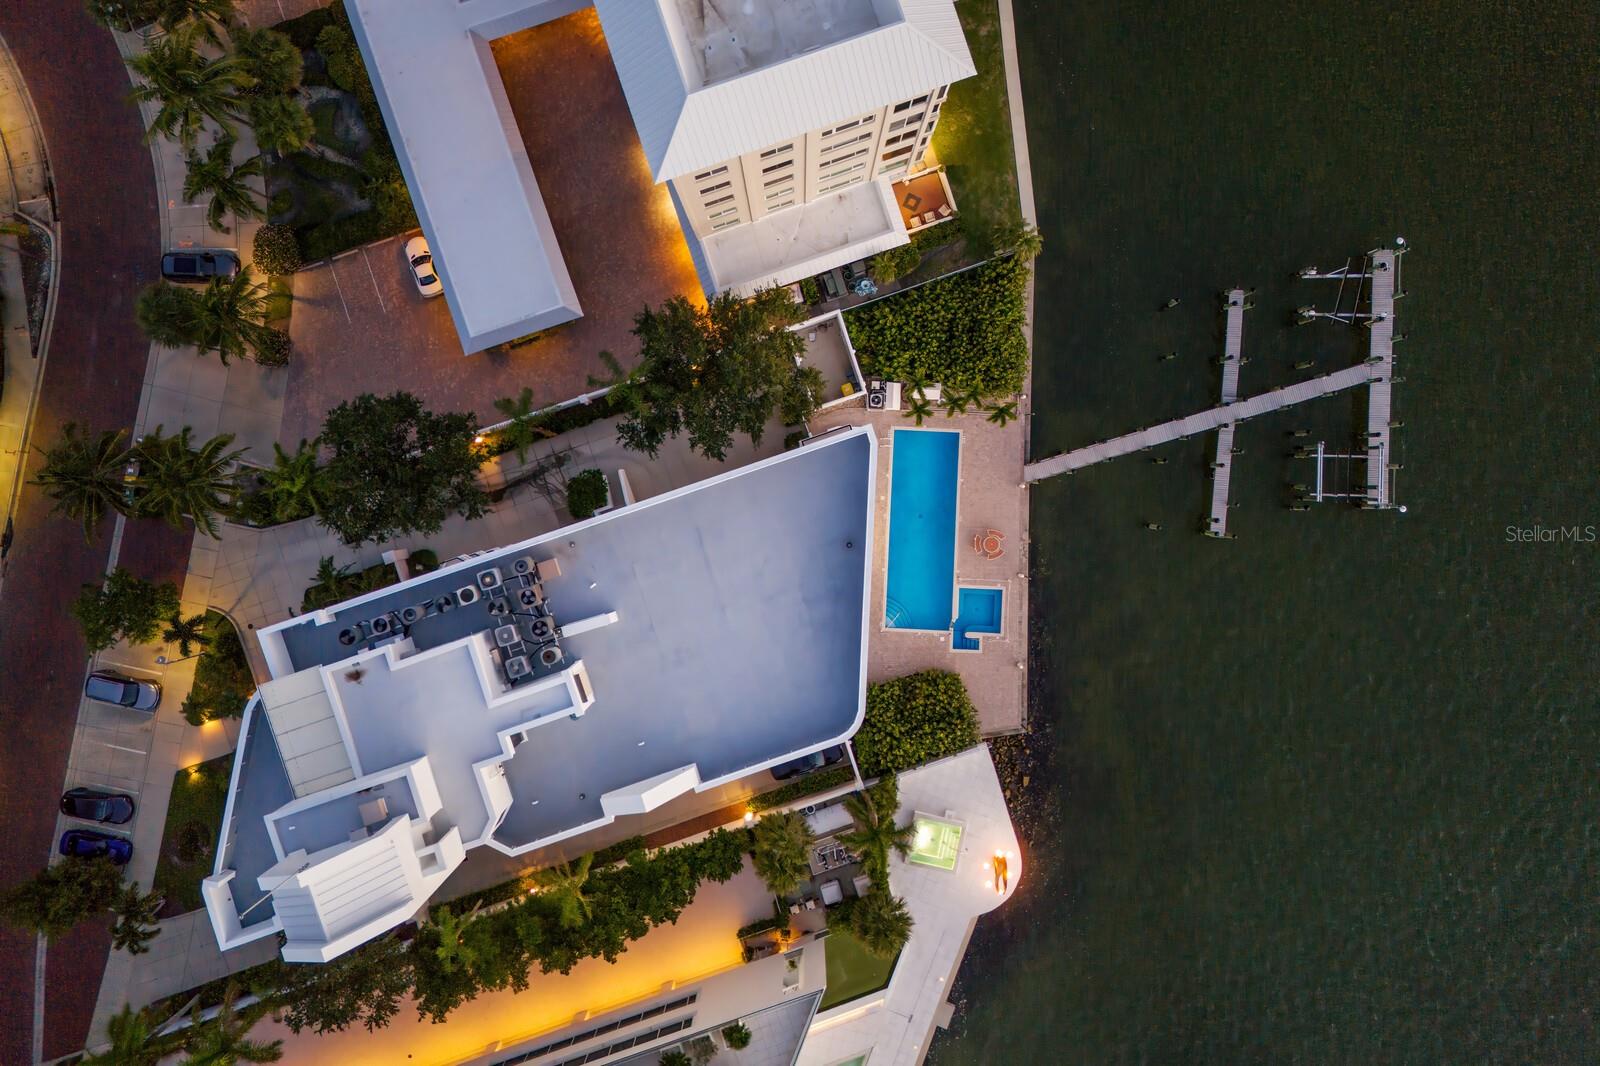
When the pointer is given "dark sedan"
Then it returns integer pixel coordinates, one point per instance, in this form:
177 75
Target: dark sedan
113 808
806 763
198 266
90 844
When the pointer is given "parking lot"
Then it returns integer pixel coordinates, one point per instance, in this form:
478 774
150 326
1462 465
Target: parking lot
360 325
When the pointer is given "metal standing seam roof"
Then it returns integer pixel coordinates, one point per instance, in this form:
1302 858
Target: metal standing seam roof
686 129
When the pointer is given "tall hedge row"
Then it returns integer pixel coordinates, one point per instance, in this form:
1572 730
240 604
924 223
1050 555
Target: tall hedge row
915 719
962 331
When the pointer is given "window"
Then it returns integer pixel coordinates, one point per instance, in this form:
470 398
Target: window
902 107
724 225
775 167
781 179
900 137
720 201
782 149
710 173
897 153
832 160
716 188
943 90
724 213
780 207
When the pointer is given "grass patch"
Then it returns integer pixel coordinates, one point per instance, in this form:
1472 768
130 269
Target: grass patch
189 840
973 138
853 971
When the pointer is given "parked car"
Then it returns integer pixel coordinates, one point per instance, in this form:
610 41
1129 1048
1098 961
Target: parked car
107 687
198 266
806 763
422 271
113 808
91 843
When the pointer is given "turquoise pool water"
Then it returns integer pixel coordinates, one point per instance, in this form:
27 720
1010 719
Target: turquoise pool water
922 528
977 614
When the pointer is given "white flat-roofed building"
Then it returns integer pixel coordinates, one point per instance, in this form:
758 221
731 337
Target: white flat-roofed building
778 125
531 694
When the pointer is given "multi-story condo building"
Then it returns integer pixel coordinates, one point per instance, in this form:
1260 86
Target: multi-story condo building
779 127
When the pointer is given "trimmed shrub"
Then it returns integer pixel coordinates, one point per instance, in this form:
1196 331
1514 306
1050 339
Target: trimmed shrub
737 1036
272 349
275 250
809 785
222 678
617 852
894 263
423 561
963 331
339 51
915 719
810 292
586 493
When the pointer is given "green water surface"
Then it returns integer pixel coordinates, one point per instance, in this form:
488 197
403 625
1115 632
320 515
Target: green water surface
1326 793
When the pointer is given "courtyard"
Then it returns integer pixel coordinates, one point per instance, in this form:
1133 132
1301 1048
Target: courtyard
360 325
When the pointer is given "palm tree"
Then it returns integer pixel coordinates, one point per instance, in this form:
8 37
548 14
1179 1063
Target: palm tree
881 922
177 479
222 1041
214 174
83 476
136 917
782 851
957 400
919 408
188 87
270 57
453 952
876 834
166 313
1002 413
563 884
227 317
187 633
206 18
295 484
134 1041
282 124
521 432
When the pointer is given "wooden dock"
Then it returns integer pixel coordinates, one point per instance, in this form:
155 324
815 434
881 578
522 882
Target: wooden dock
1204 422
1385 266
1222 466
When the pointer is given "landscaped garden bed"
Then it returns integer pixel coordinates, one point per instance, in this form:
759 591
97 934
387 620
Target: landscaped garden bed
223 681
915 719
348 189
189 840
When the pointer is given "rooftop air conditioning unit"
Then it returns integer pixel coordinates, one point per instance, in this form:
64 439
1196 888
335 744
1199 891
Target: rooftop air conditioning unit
466 594
524 566
505 636
489 578
528 598
348 637
410 614
518 666
877 397
549 655
541 629
381 626
445 602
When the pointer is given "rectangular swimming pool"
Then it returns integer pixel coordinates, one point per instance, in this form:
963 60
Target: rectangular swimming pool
923 483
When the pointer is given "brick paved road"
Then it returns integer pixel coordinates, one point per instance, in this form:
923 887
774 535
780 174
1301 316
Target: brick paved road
106 199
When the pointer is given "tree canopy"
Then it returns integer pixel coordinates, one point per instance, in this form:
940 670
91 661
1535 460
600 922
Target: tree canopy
397 468
60 896
710 372
124 607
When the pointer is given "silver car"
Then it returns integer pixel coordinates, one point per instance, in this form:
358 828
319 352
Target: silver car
107 687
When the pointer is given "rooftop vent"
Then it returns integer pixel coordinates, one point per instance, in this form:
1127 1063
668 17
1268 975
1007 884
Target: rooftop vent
466 594
489 578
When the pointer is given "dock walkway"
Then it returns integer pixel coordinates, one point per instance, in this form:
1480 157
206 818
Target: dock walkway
1380 489
1204 422
1222 467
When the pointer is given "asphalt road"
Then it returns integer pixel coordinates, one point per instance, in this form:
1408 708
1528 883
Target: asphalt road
110 246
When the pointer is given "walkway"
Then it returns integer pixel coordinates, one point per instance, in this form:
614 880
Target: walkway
1222 467
1204 422
1385 266
106 203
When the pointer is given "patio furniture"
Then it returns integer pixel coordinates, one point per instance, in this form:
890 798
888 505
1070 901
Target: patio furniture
927 219
861 884
945 211
831 893
989 544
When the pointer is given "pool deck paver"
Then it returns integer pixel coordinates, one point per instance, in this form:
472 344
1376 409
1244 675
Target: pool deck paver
992 497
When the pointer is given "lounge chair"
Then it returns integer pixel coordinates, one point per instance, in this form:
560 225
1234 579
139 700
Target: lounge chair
831 893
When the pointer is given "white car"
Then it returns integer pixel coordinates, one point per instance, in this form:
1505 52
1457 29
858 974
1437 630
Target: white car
422 271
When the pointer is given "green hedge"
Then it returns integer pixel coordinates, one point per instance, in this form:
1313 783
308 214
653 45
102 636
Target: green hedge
809 785
586 493
963 331
274 250
915 719
617 852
